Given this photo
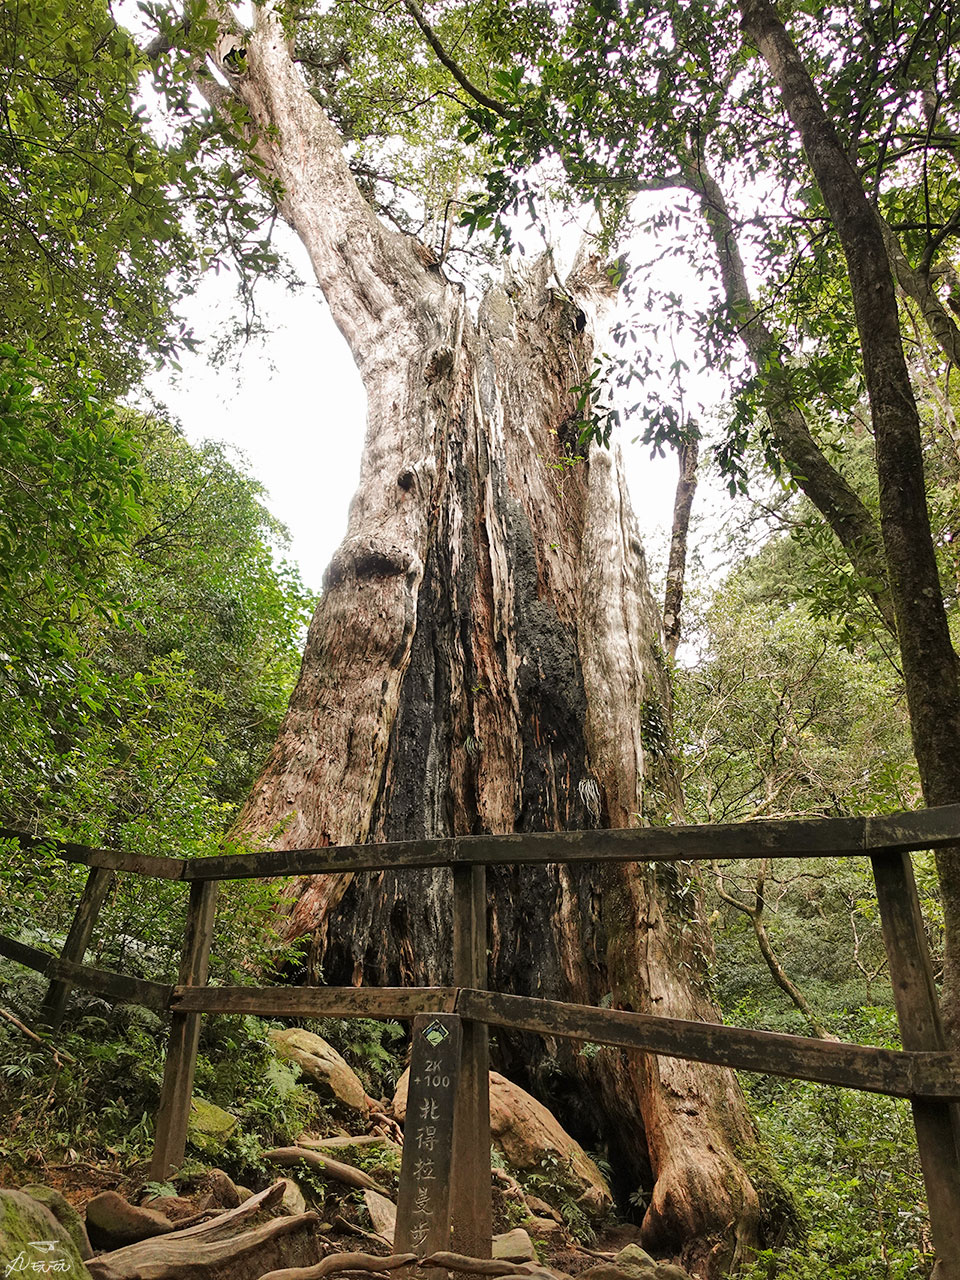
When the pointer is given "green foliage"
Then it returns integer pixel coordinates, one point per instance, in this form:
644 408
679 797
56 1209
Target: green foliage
150 641
780 717
855 1174
93 248
70 478
552 1181
100 1101
373 1048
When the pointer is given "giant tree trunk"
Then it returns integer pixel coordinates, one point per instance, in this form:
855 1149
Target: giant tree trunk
487 657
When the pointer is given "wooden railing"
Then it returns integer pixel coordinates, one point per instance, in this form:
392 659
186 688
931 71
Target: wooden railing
925 1071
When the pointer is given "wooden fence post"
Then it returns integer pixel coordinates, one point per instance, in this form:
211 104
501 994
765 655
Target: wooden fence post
471 1198
178 1071
426 1192
918 1011
78 939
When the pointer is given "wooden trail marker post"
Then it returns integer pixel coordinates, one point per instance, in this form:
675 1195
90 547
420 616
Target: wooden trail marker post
423 1202
174 1113
472 1205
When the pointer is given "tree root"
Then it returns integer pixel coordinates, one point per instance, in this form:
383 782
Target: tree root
352 1229
473 1266
367 1263
335 1169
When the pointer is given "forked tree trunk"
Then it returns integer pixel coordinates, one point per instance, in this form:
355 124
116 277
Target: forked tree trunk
487 657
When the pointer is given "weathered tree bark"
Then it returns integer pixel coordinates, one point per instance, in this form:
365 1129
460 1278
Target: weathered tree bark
487 657
929 661
688 455
228 1246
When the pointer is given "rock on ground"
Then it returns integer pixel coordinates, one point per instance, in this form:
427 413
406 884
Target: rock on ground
322 1066
514 1246
293 1202
633 1268
113 1222
209 1126
632 1258
65 1214
383 1214
544 1226
525 1131
30 1234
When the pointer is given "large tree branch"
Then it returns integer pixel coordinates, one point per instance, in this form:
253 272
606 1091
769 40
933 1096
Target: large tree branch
371 277
461 77
916 285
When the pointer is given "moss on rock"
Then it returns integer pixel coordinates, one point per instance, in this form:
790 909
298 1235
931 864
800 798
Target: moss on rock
209 1127
31 1235
65 1214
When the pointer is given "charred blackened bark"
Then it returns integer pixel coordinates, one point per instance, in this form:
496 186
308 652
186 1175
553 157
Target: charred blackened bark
487 657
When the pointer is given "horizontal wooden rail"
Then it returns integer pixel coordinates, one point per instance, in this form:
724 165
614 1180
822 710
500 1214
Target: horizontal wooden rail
316 1002
818 837
153 866
897 1073
116 987
795 838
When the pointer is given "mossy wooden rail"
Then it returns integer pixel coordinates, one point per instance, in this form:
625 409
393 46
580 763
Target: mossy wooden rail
925 1071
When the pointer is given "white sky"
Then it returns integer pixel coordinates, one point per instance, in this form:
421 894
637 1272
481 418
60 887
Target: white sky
295 407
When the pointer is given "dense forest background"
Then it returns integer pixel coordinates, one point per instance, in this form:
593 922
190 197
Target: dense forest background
151 630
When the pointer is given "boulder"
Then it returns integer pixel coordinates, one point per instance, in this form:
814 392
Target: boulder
209 1126
322 1066
636 1261
65 1214
543 1226
514 1246
33 1242
113 1222
652 1270
293 1202
222 1192
610 1271
383 1214
526 1132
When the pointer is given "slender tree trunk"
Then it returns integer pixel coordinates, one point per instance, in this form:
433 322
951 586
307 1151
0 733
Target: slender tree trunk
754 912
487 656
688 455
929 661
841 507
